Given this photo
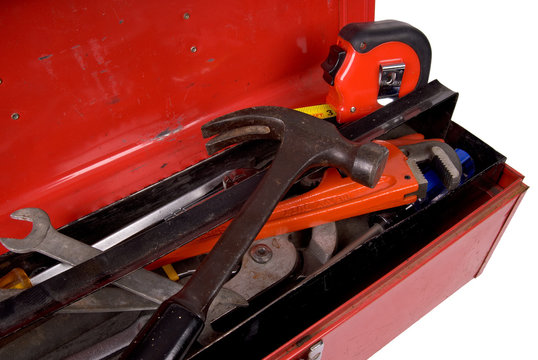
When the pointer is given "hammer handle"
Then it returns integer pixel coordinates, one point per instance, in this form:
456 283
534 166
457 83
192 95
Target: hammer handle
167 335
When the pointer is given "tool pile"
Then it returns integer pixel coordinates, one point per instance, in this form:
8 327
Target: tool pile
286 201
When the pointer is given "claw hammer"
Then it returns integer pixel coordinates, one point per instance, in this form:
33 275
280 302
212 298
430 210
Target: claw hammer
34 303
305 142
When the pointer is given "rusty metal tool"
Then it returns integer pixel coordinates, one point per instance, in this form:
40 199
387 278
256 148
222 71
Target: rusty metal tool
432 100
305 142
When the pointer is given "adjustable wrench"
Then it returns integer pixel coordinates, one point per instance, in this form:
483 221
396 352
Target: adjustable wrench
337 198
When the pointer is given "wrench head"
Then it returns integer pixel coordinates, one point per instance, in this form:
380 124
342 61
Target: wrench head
40 227
444 159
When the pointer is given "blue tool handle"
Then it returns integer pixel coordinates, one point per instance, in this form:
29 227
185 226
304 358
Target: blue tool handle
166 336
435 185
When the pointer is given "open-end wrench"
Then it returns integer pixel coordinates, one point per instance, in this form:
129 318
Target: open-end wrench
43 238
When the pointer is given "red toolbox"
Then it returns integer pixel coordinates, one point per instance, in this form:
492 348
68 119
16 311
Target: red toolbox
107 99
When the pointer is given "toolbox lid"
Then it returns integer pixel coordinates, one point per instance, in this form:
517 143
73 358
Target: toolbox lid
99 100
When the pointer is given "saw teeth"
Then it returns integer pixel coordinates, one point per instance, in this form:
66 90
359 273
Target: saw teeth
450 176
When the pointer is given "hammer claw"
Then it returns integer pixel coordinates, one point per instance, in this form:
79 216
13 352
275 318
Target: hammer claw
238 135
269 116
256 123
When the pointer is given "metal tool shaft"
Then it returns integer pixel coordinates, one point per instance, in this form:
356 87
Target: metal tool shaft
138 225
107 267
47 241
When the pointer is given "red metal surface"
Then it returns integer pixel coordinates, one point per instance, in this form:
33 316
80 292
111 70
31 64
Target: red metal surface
372 318
508 178
355 11
364 69
335 198
110 95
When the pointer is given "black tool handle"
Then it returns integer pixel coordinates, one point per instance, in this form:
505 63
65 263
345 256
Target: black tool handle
167 335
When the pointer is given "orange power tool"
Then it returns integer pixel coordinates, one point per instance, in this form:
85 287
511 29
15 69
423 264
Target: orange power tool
337 197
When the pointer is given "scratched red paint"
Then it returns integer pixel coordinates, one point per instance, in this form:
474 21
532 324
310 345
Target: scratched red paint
109 91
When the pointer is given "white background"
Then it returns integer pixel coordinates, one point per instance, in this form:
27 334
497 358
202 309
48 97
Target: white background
486 51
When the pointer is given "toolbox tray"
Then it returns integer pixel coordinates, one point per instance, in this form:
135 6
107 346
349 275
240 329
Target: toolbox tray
259 329
304 305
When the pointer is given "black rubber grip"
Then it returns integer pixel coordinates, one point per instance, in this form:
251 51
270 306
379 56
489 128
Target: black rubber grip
168 334
366 36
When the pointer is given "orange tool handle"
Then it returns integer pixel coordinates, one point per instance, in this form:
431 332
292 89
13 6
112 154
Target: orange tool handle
336 198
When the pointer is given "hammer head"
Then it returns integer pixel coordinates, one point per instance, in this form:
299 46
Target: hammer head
305 141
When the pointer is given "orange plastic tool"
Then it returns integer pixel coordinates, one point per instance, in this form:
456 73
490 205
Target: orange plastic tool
336 198
15 279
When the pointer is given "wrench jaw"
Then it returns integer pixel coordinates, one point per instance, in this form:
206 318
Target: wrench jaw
442 156
40 227
449 170
420 178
